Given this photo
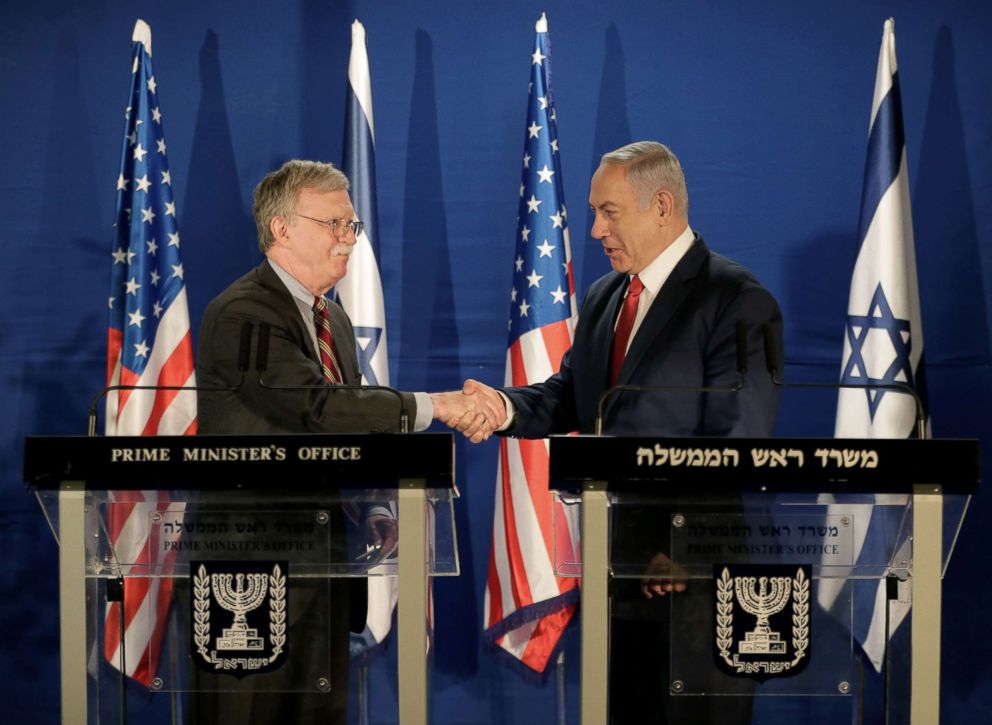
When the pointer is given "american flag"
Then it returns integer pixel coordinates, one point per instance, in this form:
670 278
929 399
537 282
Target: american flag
527 606
148 343
883 344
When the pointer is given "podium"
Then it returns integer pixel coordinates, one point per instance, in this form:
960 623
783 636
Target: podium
251 539
782 553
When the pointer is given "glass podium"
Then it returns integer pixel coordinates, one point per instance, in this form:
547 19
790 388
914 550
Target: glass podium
233 559
778 560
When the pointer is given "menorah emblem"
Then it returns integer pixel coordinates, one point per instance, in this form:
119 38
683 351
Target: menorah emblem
247 593
778 596
255 592
770 598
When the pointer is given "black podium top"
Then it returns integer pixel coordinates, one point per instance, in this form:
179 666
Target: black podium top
822 465
219 462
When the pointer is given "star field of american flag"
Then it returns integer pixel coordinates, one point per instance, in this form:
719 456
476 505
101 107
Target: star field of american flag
147 272
527 605
148 344
543 292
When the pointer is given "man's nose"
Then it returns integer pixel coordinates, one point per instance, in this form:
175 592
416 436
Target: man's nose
600 229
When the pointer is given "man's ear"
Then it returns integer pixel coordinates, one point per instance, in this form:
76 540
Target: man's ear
664 206
277 226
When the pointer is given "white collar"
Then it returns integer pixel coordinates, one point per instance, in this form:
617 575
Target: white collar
660 268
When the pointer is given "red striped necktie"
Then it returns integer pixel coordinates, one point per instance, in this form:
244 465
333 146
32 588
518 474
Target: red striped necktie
328 359
624 325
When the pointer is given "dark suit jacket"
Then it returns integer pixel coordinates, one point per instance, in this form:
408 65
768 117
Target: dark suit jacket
260 296
688 338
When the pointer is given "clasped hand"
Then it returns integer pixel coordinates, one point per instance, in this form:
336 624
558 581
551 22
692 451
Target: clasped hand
477 411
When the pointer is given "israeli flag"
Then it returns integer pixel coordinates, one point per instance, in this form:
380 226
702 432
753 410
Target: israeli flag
360 293
883 340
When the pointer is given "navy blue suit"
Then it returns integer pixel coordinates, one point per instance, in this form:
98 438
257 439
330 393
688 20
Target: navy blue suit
687 338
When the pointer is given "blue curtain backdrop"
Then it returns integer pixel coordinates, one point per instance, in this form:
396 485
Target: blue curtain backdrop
766 103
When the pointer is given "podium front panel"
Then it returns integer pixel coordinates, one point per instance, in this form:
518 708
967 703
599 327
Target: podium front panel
234 559
764 576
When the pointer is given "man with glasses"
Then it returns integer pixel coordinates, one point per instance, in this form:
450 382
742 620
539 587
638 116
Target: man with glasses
306 230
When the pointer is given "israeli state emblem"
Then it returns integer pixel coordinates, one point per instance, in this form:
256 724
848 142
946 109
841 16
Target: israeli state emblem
762 619
238 616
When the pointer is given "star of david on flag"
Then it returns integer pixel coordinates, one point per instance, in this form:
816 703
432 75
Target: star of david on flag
528 607
148 343
878 327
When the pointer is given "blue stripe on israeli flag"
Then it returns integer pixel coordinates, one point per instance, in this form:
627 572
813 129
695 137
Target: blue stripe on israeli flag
885 147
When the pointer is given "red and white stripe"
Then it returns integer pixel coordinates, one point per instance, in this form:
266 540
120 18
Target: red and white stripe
170 363
141 544
527 606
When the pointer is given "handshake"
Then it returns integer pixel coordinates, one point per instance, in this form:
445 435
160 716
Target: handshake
477 411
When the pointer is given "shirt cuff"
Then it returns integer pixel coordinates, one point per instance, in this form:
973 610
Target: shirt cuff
379 510
511 413
425 412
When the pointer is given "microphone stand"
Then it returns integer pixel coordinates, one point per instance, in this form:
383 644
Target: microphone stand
774 365
741 346
244 353
261 364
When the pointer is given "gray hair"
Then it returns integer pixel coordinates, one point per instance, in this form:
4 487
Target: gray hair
276 194
651 167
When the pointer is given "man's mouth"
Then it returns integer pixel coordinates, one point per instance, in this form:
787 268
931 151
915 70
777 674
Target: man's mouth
341 250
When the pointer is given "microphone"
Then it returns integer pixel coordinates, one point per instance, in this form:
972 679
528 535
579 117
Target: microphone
262 362
774 363
741 349
244 355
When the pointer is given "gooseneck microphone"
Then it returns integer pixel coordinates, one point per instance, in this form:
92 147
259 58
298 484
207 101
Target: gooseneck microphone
262 362
774 363
741 348
244 356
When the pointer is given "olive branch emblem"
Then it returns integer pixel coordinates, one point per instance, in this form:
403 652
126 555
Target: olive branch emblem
725 615
725 619
800 616
201 615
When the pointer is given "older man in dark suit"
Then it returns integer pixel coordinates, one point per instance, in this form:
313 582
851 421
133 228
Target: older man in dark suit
666 316
306 229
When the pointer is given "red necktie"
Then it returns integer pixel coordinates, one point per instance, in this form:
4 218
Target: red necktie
624 325
328 363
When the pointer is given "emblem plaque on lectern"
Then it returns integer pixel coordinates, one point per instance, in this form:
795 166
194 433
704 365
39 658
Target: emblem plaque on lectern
762 619
238 616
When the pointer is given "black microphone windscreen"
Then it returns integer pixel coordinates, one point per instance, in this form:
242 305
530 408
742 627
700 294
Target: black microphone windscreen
262 354
741 347
244 348
771 349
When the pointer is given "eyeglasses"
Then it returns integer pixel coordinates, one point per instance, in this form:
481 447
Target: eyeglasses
338 227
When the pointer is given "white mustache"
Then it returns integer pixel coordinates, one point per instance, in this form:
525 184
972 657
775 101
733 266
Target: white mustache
341 250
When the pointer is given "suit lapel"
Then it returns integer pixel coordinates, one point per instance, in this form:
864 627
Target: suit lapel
670 297
268 277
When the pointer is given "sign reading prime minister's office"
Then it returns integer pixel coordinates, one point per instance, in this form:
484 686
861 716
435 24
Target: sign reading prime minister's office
238 616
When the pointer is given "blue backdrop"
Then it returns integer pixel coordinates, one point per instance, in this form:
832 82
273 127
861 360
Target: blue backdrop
766 103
